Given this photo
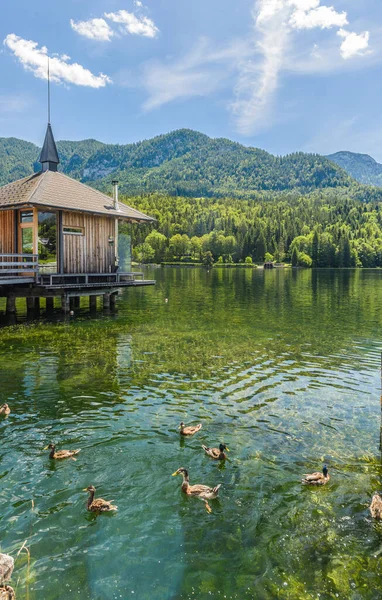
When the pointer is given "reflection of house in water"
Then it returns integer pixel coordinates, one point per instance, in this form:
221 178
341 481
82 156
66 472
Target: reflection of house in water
59 237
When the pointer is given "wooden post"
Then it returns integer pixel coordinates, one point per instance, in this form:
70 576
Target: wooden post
49 304
30 303
113 298
11 305
71 302
106 301
37 304
77 302
93 302
65 304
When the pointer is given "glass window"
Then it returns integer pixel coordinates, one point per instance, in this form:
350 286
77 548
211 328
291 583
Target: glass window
27 240
73 230
26 216
47 241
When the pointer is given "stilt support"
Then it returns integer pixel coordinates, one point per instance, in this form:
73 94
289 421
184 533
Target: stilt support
30 303
11 305
113 298
65 304
93 302
77 303
49 304
106 301
37 304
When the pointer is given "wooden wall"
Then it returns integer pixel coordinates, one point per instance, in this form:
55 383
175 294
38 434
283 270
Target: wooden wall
7 232
91 252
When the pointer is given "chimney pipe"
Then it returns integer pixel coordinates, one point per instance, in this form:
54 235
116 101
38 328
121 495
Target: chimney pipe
115 194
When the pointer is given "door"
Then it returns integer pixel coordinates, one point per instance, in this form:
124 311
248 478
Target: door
27 234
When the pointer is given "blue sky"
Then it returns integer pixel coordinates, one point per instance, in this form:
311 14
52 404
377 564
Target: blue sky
283 75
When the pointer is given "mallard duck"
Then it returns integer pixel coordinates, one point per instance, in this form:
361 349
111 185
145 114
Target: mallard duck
216 453
317 478
7 593
376 507
5 410
60 454
189 430
99 504
203 492
6 570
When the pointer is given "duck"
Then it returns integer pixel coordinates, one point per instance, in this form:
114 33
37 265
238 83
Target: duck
190 429
216 453
60 454
6 569
99 504
317 478
376 506
203 492
5 410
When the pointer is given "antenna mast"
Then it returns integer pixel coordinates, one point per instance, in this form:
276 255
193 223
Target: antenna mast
48 93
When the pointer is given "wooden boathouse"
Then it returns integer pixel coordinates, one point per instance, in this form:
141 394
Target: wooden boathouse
59 237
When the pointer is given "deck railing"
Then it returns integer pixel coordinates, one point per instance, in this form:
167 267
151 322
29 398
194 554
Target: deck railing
25 265
88 279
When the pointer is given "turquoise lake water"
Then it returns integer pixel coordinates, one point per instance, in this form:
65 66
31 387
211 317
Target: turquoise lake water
283 366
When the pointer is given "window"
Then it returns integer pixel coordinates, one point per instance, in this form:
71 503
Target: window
26 216
73 230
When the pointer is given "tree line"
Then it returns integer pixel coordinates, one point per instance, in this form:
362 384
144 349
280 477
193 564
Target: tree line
325 228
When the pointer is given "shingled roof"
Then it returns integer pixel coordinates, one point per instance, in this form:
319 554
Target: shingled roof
51 189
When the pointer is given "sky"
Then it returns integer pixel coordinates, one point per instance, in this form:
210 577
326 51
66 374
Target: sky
282 75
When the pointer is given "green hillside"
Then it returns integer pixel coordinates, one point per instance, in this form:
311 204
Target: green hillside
182 162
361 167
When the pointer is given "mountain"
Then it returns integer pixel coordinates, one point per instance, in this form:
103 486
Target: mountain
183 162
361 167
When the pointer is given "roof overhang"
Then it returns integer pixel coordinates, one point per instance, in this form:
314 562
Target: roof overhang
112 215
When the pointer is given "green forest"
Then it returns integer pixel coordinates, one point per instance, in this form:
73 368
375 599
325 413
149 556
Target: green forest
325 228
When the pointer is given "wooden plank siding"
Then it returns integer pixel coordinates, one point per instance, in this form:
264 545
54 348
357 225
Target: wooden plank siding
90 252
7 232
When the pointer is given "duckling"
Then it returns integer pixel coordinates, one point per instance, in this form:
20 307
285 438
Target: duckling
190 430
317 478
216 453
376 506
203 492
98 505
60 454
7 593
5 410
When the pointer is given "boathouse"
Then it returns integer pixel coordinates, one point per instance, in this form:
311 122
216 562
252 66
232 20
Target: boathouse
59 237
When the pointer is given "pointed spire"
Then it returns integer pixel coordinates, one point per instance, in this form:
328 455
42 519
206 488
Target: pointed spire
49 155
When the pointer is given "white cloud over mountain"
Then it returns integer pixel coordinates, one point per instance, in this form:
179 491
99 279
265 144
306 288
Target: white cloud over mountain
276 25
35 59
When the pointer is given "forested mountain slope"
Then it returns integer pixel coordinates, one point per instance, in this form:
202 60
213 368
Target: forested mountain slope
361 167
182 162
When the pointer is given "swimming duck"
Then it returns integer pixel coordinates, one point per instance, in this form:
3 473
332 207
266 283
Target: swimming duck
60 454
216 453
99 504
317 478
6 570
5 410
376 506
189 430
203 492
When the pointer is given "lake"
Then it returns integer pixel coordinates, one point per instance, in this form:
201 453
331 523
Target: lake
281 365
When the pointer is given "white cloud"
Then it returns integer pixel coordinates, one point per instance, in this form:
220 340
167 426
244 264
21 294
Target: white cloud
133 24
34 59
94 29
199 73
323 17
353 44
277 23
